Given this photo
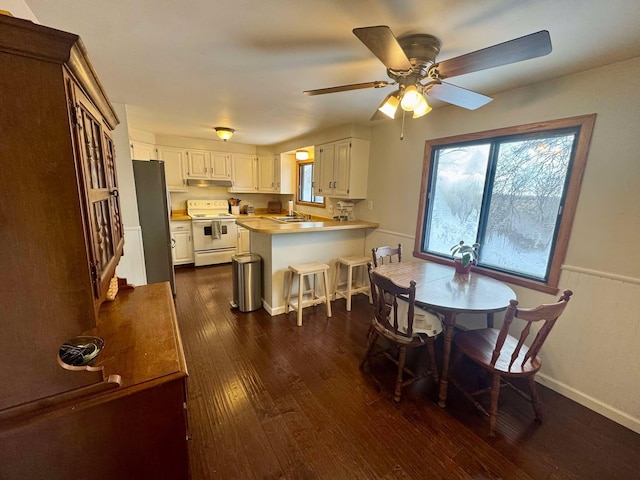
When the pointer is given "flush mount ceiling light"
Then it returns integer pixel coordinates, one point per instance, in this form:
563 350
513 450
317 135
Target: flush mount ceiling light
225 133
302 155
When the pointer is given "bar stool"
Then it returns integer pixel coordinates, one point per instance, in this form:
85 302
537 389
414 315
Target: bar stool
304 270
350 289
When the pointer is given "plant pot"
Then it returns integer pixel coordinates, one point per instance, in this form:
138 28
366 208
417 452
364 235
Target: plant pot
460 268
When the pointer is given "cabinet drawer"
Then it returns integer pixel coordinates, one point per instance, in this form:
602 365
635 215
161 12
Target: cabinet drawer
181 226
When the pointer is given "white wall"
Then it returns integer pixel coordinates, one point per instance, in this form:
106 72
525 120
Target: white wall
19 9
131 266
593 354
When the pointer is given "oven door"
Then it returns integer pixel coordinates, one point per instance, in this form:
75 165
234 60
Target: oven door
214 234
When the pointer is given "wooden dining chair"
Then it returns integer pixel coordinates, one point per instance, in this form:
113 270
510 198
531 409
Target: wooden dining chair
504 356
382 255
403 325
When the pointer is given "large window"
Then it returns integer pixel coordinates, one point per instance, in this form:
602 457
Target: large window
305 185
513 191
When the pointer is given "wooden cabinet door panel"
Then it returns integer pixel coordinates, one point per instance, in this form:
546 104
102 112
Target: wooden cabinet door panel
220 166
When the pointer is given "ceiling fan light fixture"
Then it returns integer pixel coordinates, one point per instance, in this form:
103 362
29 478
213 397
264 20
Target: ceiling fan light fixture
302 155
411 98
390 105
225 133
422 109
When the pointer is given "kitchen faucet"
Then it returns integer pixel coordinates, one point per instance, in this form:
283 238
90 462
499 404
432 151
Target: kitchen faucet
301 215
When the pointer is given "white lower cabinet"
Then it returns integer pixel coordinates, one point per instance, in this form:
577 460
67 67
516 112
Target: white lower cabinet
181 242
244 241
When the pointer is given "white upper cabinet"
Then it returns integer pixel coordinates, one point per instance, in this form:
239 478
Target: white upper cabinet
267 173
198 163
208 165
142 151
275 174
244 173
175 161
341 168
220 165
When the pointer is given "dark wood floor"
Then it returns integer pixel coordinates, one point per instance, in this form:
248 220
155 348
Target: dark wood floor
270 400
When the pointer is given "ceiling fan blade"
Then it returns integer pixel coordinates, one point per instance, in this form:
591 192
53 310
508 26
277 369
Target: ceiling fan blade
457 96
384 45
523 48
344 88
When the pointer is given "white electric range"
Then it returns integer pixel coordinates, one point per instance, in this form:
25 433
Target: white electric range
215 235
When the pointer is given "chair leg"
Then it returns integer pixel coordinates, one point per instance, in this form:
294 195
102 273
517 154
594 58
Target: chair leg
493 412
432 361
401 359
535 401
371 341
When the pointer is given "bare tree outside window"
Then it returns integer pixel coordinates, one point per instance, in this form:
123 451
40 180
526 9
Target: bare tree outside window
506 191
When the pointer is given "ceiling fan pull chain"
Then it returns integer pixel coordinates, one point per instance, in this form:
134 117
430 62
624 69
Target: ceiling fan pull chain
402 129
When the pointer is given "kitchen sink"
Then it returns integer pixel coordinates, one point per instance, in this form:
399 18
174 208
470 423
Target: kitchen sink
289 219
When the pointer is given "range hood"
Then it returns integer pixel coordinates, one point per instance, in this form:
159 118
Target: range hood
203 182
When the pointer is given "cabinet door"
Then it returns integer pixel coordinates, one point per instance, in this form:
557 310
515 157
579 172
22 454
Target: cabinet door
341 168
266 173
327 155
197 164
244 173
142 151
182 247
98 194
220 166
174 167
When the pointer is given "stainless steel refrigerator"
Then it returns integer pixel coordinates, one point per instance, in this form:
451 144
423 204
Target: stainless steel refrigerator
154 212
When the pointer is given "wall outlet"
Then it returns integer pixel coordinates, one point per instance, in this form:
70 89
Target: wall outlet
370 205
330 208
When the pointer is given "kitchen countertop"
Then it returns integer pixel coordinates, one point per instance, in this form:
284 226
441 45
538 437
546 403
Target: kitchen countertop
263 224
179 215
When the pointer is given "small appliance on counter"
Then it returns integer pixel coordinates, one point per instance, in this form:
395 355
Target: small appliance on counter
346 211
251 210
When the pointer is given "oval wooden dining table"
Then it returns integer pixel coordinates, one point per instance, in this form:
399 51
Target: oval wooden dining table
438 287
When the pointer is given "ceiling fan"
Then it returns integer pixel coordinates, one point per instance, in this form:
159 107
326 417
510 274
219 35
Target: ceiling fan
411 64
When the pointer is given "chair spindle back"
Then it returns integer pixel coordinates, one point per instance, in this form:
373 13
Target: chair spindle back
382 255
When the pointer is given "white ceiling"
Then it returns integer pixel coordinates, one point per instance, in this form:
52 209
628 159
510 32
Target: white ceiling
185 67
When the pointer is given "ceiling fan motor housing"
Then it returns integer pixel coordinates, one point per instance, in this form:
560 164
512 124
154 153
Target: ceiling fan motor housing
421 50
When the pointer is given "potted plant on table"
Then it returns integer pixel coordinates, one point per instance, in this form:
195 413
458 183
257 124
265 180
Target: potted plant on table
464 255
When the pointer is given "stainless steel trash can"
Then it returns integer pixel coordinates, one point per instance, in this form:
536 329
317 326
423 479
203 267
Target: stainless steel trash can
247 281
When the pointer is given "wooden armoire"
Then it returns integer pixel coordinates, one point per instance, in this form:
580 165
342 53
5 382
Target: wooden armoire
62 238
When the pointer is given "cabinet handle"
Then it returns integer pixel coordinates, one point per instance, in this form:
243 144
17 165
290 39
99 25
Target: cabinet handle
173 243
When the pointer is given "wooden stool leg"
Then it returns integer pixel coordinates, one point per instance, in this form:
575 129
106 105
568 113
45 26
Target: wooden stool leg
349 286
300 297
287 306
325 275
336 281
